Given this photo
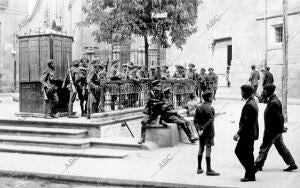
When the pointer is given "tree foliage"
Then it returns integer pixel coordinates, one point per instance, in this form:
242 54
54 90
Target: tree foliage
117 20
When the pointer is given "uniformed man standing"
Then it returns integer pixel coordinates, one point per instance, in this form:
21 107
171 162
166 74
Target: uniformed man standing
165 73
191 74
81 87
212 81
152 73
169 115
93 82
71 86
152 109
49 88
201 83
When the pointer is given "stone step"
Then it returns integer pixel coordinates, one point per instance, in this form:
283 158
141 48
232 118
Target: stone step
75 143
45 132
45 142
88 152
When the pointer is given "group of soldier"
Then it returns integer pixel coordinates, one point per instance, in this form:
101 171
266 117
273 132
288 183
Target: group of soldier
84 80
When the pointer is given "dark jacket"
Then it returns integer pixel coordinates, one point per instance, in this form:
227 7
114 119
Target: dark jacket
267 78
204 119
273 117
248 126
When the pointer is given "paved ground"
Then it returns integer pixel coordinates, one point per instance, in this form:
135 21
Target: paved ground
182 159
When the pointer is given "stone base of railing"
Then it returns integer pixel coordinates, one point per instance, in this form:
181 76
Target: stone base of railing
163 136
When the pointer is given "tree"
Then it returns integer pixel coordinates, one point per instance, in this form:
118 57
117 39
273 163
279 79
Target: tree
117 20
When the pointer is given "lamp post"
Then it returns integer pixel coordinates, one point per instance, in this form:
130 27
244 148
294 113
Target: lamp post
13 52
158 17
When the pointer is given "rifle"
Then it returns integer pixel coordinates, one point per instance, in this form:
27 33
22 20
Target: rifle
70 75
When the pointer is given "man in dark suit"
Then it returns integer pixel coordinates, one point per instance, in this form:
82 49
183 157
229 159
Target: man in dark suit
247 133
254 77
267 79
274 127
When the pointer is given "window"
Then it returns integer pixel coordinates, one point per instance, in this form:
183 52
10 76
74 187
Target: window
278 33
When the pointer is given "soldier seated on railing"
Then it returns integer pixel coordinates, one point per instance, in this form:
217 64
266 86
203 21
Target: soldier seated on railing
152 109
169 115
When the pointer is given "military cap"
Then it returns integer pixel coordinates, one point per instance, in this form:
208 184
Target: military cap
211 69
191 65
49 61
267 68
95 61
253 66
75 62
167 90
203 69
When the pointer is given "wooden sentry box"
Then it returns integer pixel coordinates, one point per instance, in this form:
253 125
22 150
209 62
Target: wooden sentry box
34 51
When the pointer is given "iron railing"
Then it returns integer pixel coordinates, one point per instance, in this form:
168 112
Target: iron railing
115 95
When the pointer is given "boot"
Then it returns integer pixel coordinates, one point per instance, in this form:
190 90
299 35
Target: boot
143 135
291 168
188 132
209 171
199 170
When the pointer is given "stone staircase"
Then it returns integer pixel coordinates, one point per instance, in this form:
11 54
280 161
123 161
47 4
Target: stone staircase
76 138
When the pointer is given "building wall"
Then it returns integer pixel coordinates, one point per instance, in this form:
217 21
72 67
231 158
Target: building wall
11 13
240 21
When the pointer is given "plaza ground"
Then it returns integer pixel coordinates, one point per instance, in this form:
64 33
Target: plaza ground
143 167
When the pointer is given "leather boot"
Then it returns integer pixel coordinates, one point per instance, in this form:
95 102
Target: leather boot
143 135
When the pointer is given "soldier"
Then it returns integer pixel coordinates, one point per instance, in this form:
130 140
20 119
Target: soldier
49 89
169 115
212 82
71 86
152 73
254 77
191 74
81 87
152 109
165 73
202 83
93 83
135 77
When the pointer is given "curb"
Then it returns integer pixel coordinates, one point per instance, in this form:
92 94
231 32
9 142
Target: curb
101 181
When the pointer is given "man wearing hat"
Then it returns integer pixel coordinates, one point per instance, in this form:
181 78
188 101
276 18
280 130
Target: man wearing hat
152 73
201 82
267 79
212 82
191 74
254 77
49 89
93 83
71 86
165 73
152 109
169 115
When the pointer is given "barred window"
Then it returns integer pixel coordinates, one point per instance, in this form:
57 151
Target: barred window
278 33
